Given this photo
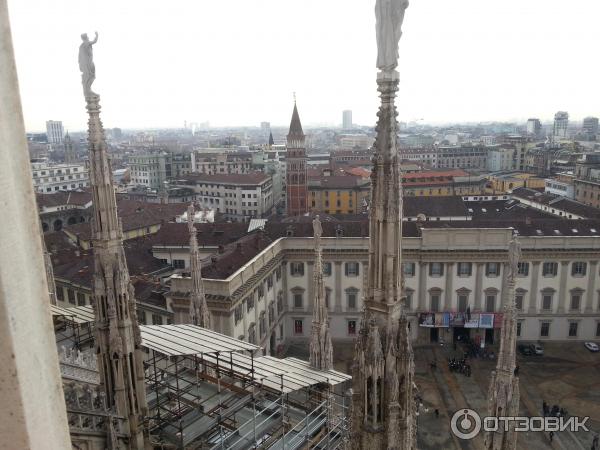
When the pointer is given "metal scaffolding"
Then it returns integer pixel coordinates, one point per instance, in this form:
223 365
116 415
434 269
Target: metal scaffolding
208 390
73 326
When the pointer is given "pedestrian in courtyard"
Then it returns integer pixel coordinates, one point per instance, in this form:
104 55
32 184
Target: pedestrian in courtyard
551 435
595 442
545 408
437 413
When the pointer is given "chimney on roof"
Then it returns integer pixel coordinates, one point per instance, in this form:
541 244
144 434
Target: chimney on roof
213 261
239 248
221 249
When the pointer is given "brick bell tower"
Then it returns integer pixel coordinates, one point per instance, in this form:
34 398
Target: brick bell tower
296 188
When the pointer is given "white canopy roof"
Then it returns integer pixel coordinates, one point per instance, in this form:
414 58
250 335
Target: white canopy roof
187 340
77 314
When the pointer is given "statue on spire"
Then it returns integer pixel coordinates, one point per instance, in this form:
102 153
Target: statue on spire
199 313
86 64
390 15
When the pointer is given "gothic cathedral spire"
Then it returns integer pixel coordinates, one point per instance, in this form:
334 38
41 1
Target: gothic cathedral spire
321 350
383 405
199 314
503 394
117 332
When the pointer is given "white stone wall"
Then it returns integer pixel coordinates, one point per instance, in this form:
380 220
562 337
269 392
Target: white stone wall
475 246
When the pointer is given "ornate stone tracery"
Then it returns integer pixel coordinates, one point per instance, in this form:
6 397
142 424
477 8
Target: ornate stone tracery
383 406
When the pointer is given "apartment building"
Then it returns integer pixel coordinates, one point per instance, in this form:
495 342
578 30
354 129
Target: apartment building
239 197
50 178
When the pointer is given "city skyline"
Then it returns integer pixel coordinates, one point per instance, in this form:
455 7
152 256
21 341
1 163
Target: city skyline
160 73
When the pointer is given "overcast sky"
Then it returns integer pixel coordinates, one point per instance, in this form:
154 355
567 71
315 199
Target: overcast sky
237 62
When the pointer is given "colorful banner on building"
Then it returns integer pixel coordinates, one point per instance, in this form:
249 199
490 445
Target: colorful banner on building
498 320
486 321
427 320
473 321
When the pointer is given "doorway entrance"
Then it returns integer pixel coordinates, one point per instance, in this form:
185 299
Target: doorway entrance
434 335
461 334
489 336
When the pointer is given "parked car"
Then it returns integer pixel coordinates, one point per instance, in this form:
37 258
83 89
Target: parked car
525 350
537 349
592 346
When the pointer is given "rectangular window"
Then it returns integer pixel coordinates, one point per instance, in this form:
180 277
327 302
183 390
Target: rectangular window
270 282
297 269
80 299
249 303
597 329
462 303
409 269
579 269
464 269
435 302
549 269
545 329
71 295
523 269
519 302
519 326
408 301
157 319
547 302
298 326
436 269
298 301
352 327
351 269
238 312
490 303
492 269
575 301
351 299
327 269
573 329
60 294
178 264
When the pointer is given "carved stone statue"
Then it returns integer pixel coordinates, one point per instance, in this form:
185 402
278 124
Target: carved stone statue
86 64
317 229
514 256
389 17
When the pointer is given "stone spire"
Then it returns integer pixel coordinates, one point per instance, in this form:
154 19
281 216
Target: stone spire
199 314
49 272
117 333
383 404
321 351
503 394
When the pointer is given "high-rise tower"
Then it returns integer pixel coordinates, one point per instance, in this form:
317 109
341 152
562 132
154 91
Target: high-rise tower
503 394
68 143
117 332
199 314
321 350
383 404
297 190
